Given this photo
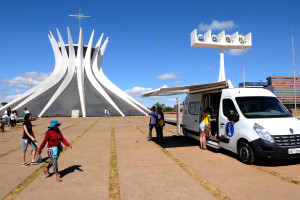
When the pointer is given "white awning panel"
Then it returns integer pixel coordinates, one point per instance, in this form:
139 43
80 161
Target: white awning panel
188 89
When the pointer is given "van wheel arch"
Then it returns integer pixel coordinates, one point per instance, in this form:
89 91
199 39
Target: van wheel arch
245 151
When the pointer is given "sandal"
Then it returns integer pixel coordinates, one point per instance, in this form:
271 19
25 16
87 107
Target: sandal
204 148
46 172
59 179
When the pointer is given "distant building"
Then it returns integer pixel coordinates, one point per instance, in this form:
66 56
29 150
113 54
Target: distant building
253 84
283 88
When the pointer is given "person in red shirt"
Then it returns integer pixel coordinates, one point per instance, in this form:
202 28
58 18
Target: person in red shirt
54 138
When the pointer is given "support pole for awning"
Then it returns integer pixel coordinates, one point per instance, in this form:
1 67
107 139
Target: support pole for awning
178 116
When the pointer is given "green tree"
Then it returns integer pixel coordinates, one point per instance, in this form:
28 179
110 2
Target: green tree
160 105
3 103
169 109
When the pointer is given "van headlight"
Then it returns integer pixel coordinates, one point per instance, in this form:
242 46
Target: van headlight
263 133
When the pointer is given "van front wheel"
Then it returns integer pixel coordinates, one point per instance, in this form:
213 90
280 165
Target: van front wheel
246 153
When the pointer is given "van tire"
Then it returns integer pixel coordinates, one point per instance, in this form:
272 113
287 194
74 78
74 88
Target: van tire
245 153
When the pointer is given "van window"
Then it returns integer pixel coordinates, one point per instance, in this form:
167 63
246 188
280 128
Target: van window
262 107
194 108
227 106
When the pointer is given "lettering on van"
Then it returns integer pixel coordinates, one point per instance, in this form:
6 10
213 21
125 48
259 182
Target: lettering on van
229 129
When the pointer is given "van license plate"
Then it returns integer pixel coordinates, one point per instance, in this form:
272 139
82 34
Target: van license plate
294 151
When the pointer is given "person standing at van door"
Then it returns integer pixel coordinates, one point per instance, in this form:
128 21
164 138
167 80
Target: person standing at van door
152 123
160 123
205 120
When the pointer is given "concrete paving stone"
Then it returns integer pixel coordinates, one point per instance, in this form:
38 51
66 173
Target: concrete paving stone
159 182
12 175
286 168
142 158
86 192
134 143
257 187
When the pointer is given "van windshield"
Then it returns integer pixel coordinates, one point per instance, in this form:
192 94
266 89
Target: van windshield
262 107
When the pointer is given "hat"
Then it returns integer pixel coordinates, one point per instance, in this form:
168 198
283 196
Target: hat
53 123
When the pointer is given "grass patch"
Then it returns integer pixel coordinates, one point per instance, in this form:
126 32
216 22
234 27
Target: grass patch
114 189
212 189
12 194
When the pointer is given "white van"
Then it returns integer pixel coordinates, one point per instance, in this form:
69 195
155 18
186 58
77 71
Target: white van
251 122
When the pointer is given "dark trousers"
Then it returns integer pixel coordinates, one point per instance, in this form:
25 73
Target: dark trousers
160 135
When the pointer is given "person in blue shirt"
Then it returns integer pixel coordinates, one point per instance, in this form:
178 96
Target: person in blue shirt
152 122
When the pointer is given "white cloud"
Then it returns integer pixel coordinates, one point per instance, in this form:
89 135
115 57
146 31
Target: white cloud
8 98
157 97
236 52
171 100
4 91
137 91
167 76
216 25
18 91
209 68
26 80
178 82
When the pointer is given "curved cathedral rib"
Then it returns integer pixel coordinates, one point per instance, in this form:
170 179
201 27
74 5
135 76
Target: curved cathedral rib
77 83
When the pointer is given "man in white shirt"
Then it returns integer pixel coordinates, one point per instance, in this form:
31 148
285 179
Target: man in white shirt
152 123
5 116
26 111
105 112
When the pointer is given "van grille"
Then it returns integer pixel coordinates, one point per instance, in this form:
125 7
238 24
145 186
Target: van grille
287 140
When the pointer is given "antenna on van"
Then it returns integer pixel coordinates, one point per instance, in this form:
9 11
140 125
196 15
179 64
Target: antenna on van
236 82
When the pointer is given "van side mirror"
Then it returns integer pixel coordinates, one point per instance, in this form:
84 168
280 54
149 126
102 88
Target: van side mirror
233 116
290 111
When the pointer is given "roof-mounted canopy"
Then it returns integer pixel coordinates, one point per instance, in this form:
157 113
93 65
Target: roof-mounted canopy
188 89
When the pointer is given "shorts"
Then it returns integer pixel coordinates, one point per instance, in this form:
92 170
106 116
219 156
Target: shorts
202 125
25 145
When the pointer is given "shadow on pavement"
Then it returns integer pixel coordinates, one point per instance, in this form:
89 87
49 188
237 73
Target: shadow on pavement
45 159
182 141
69 170
275 163
175 141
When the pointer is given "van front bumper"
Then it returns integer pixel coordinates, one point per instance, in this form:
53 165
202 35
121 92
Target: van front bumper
271 151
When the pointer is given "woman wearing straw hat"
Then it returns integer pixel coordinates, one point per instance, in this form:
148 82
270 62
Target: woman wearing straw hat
54 138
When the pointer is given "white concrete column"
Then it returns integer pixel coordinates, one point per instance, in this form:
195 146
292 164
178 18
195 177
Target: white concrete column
222 67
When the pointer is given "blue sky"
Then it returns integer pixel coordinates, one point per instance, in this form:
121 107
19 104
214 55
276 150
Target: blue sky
149 43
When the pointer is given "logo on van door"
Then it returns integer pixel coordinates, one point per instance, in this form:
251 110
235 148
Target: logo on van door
229 129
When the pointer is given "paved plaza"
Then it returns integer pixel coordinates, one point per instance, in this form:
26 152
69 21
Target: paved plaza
176 169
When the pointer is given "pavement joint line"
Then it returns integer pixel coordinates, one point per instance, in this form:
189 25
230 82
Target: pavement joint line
212 189
17 190
285 178
173 132
114 188
20 147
